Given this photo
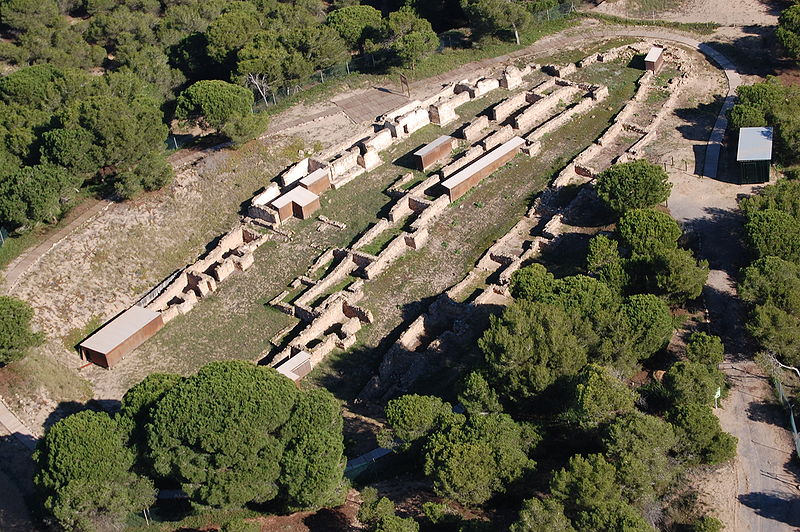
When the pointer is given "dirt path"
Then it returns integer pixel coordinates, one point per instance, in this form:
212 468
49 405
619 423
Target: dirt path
759 493
82 214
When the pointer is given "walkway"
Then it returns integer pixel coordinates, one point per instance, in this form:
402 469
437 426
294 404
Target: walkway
80 215
16 428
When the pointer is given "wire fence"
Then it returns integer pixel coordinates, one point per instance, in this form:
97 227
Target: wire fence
378 61
790 409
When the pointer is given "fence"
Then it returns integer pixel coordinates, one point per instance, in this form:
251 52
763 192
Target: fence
3 236
374 62
788 405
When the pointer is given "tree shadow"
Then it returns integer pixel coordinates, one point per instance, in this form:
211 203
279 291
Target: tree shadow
408 160
327 520
766 412
700 119
566 254
67 408
756 53
775 506
721 242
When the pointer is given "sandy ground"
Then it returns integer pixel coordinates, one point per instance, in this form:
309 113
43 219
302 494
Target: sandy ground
725 12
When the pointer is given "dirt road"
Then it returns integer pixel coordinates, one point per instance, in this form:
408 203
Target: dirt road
760 491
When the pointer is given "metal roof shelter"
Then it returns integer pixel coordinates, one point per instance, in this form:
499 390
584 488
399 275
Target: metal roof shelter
754 154
654 58
121 335
432 153
296 367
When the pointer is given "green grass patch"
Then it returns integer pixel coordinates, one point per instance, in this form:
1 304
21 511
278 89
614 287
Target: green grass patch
657 96
338 287
382 240
75 336
573 56
705 28
14 246
662 79
451 58
37 371
323 270
414 182
292 296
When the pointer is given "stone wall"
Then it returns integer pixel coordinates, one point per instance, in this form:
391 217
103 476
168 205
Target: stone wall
234 251
472 131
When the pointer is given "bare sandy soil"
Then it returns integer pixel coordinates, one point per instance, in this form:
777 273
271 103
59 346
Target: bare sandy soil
725 12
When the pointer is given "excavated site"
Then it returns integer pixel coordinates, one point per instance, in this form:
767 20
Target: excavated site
394 246
325 301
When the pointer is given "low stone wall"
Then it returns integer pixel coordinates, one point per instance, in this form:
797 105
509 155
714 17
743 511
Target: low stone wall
467 157
543 108
472 131
562 118
370 234
507 107
500 136
234 251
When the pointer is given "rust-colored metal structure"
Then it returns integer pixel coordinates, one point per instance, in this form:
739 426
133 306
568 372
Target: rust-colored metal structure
298 202
120 336
434 152
654 59
463 180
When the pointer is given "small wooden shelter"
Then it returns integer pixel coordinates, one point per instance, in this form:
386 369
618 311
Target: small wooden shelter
298 202
434 152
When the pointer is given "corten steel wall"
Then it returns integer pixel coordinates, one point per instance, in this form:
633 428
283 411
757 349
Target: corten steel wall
432 157
319 186
108 360
285 212
654 66
461 188
304 212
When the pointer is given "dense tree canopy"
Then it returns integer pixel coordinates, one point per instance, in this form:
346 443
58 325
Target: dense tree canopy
16 336
599 396
356 24
771 284
638 444
497 17
633 185
645 231
705 348
700 438
531 345
789 30
471 460
235 433
84 473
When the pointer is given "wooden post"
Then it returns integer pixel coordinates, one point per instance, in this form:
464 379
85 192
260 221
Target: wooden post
404 83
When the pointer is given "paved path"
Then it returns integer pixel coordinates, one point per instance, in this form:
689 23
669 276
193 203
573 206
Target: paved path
80 215
16 428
